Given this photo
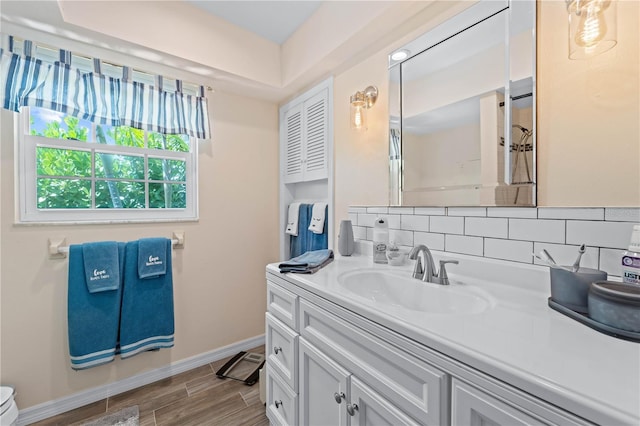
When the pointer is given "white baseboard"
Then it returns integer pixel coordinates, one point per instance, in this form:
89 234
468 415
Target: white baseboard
71 402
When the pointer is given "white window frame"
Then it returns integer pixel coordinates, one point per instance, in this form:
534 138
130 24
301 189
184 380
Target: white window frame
26 193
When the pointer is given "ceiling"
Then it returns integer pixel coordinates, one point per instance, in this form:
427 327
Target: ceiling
273 20
268 49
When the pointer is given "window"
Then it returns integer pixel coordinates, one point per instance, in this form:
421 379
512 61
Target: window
72 170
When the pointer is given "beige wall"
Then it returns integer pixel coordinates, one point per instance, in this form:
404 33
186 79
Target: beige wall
588 121
588 115
219 285
361 158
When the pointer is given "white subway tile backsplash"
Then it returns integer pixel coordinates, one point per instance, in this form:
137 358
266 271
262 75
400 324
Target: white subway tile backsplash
521 212
364 247
544 230
508 233
466 211
430 211
393 220
414 222
486 227
431 240
463 244
600 234
518 251
567 254
446 224
366 219
359 233
622 214
378 210
611 261
401 238
571 213
400 210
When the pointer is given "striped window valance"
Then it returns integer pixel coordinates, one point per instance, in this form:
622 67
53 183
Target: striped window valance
91 95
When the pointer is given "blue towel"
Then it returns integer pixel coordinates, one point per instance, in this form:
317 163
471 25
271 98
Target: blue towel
299 243
307 240
146 319
152 258
101 266
307 263
93 318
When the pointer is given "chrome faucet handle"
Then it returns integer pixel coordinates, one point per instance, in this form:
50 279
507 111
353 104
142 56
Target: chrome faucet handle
443 277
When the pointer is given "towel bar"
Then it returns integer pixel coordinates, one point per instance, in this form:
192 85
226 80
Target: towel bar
58 248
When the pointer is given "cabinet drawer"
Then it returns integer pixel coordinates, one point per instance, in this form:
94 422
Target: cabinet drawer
417 388
282 304
282 351
471 406
282 402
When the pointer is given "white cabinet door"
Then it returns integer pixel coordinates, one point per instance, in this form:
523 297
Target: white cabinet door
367 408
315 134
472 407
305 139
323 388
412 385
282 402
293 145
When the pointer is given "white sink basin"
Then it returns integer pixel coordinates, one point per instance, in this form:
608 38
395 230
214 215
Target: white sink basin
385 288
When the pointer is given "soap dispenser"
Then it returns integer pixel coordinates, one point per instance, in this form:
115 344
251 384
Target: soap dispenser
631 259
380 240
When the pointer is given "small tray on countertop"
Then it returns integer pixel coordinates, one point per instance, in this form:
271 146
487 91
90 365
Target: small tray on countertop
598 326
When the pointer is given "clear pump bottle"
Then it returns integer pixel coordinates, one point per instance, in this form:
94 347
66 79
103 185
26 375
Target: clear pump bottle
380 240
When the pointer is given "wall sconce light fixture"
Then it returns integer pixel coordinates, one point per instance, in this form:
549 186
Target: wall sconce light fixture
592 27
360 103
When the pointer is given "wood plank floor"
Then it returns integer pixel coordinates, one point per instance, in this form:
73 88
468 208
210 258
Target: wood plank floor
193 398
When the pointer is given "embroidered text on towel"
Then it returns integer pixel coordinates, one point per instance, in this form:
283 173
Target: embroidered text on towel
153 261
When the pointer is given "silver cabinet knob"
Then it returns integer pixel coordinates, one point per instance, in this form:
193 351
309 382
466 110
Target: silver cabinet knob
277 349
351 409
278 403
339 397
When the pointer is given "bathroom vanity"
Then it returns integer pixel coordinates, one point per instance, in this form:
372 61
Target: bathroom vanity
361 344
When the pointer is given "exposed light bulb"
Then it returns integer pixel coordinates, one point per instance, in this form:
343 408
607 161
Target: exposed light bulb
357 118
358 114
591 28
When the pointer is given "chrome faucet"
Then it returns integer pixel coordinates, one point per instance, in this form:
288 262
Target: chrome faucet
428 273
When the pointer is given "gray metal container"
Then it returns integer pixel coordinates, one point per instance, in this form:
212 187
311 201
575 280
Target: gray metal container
571 289
615 304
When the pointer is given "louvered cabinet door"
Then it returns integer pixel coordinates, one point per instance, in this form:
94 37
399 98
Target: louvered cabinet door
315 136
293 145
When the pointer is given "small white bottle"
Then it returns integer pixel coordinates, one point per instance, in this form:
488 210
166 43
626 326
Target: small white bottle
631 259
380 240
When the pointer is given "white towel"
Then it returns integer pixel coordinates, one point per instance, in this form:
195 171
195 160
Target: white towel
317 218
292 219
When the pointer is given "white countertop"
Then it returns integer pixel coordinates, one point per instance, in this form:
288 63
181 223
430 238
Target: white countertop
519 339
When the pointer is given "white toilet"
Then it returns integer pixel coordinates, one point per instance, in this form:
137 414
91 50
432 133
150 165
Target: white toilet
8 407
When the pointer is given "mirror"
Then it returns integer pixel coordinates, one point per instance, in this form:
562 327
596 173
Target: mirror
464 92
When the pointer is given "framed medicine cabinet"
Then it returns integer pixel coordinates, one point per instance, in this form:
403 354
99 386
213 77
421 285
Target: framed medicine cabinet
463 110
